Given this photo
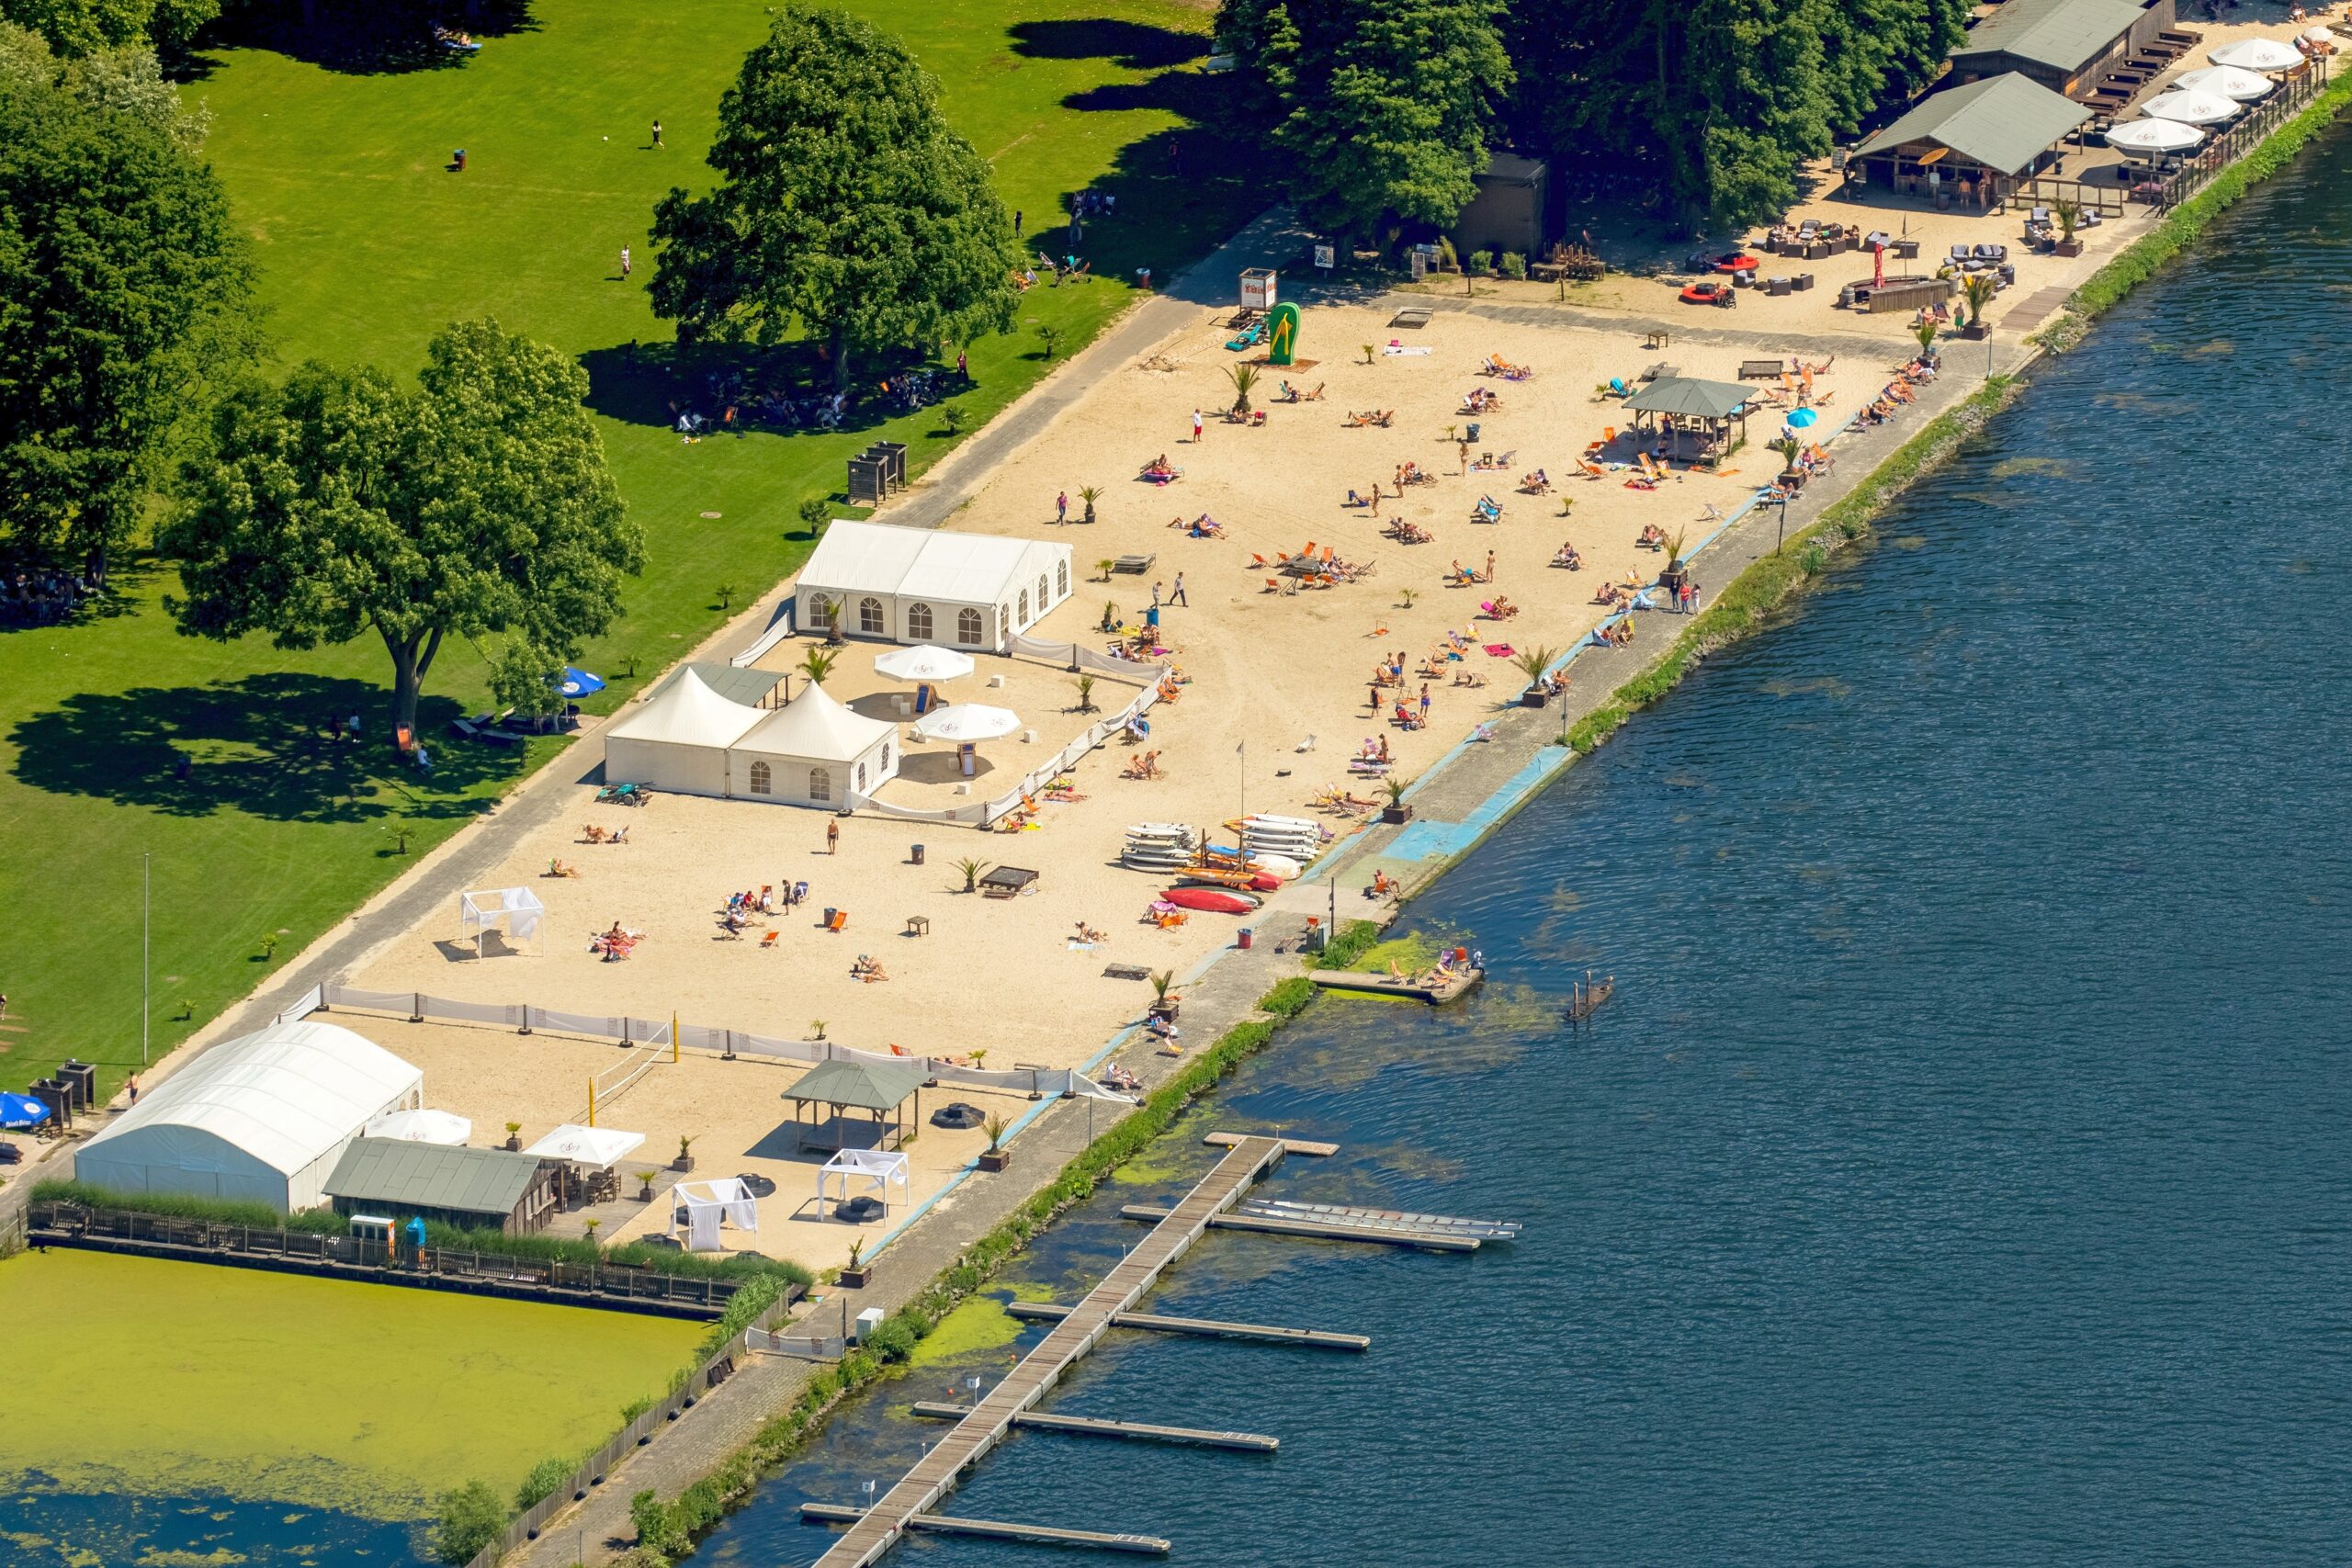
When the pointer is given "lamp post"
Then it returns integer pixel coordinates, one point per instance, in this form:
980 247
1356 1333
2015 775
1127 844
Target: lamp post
146 950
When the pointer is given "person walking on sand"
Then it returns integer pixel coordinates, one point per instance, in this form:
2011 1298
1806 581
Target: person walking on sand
1155 595
1178 596
656 135
132 1083
624 261
1490 568
1061 507
832 837
1196 427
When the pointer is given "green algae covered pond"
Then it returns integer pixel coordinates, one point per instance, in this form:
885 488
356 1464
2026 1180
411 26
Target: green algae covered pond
194 1387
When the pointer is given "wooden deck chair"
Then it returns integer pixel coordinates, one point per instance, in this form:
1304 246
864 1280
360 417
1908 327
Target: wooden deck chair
769 941
840 920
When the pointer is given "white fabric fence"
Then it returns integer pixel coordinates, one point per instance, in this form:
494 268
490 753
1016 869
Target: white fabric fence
779 628
524 1018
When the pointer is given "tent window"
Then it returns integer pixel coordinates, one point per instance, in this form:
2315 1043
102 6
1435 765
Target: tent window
967 626
918 622
869 616
861 778
1061 578
886 756
1024 609
759 778
821 784
1043 598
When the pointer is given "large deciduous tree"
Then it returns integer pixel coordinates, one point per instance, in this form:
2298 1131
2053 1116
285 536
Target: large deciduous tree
342 503
845 205
123 284
84 26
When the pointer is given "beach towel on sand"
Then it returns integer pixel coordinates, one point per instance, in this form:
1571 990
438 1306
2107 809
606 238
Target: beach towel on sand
1498 649
1400 351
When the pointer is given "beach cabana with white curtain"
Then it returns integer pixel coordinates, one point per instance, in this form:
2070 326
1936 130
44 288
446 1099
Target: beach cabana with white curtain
812 752
973 591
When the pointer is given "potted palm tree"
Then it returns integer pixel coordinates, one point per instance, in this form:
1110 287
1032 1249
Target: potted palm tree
645 1187
1926 333
1085 684
833 622
1396 811
1670 575
1164 1004
996 1157
817 663
684 1161
1245 379
971 869
857 1275
1532 664
1977 292
1089 494
1788 446
2070 216
514 1136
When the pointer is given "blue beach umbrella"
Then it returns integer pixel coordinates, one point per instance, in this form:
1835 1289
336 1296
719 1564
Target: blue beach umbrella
577 682
21 1110
1802 419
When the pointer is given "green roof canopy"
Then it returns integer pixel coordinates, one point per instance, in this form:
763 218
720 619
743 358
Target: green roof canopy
432 1175
2065 35
1693 398
749 686
876 1088
2004 122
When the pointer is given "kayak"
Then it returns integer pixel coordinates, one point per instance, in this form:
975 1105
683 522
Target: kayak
1212 900
1238 880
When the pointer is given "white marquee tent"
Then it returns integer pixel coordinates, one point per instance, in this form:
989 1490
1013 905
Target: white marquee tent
262 1118
483 909
884 1173
599 1147
812 752
922 585
677 739
707 1205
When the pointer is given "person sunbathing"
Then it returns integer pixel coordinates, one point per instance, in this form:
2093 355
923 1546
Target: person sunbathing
592 834
1502 609
1087 933
558 868
1356 500
1567 556
1536 483
1609 593
1653 536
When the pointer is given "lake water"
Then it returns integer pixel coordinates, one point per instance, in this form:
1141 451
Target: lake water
1960 1174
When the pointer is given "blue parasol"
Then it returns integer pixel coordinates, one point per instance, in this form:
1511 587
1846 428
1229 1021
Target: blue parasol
21 1110
1802 419
577 682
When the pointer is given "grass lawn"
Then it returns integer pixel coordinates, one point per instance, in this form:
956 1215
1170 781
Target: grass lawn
155 1377
368 245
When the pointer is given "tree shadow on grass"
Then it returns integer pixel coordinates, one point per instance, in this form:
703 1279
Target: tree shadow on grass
363 37
654 384
257 747
1132 46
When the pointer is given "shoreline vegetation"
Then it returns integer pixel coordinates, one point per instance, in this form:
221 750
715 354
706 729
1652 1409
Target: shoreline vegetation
1741 607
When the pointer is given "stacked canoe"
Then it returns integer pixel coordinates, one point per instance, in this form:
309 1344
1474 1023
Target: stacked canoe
1161 846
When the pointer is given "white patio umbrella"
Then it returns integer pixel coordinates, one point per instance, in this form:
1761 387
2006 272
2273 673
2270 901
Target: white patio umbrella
2319 34
2257 54
923 663
2154 136
2230 81
2190 108
960 722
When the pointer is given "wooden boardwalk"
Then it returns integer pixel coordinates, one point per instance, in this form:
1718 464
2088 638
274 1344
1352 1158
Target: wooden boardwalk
919 1492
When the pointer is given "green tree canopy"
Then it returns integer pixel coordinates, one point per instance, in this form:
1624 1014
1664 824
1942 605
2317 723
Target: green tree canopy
126 283
342 503
84 26
845 205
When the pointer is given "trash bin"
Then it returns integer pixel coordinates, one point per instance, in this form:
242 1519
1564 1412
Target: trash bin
1243 937
917 854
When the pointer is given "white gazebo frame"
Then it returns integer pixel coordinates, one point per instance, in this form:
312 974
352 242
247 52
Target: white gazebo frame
734 1202
481 909
868 1167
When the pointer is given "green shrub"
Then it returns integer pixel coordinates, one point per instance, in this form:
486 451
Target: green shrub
471 1518
1445 254
657 1526
1289 998
893 1340
545 1479
1482 262
1514 264
1813 560
1348 944
176 1206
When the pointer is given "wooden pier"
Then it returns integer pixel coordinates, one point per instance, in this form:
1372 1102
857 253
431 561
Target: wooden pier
1097 1426
907 1504
1205 1328
1437 992
1586 997
990 1530
1320 1230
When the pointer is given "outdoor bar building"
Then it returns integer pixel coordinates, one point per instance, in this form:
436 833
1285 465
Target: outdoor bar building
2067 46
1975 142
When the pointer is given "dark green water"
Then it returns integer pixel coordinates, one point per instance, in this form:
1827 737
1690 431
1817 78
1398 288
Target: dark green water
1961 1174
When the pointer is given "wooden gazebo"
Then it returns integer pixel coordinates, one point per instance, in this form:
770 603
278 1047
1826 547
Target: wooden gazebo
840 1088
1686 407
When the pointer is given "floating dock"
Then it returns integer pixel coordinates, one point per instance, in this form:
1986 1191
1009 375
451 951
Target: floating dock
907 1504
992 1529
1322 1230
1205 1328
1437 992
1586 997
1097 1426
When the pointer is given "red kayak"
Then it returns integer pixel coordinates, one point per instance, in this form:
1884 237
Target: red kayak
1211 900
1239 880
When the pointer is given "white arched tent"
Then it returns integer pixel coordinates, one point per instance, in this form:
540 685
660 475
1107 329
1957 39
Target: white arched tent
678 740
706 1206
812 752
262 1118
925 585
867 1170
483 908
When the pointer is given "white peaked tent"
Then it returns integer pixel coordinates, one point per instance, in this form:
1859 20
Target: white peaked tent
678 740
262 1118
812 752
481 909
707 1205
922 585
885 1174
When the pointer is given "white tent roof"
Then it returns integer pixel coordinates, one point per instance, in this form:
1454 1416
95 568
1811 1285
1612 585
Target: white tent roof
287 1096
586 1146
423 1127
869 556
922 662
816 727
919 563
685 712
